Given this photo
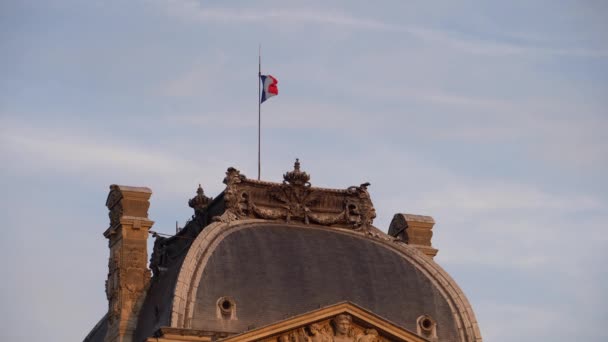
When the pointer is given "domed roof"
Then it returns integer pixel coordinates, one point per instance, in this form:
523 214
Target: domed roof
273 271
262 252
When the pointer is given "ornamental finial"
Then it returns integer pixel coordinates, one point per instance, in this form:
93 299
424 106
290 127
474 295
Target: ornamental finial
200 201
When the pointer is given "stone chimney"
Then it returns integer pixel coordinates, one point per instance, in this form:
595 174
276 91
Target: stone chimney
128 274
414 230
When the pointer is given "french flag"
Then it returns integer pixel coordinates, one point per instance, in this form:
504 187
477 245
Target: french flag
269 87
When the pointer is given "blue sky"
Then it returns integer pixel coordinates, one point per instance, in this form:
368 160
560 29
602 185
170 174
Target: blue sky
489 116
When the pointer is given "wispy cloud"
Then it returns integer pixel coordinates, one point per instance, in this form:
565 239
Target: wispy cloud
193 10
477 198
295 115
104 161
498 223
471 44
207 76
512 321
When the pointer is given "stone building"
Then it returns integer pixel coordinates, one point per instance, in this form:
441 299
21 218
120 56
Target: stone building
268 261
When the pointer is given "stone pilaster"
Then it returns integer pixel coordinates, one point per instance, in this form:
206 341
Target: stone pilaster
415 230
128 273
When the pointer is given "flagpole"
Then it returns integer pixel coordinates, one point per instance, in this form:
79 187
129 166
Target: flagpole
259 107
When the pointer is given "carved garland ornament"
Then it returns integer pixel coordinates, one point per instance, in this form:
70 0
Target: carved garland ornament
296 200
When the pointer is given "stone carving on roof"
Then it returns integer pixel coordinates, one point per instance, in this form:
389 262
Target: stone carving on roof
341 322
296 200
114 205
199 202
337 329
159 254
112 286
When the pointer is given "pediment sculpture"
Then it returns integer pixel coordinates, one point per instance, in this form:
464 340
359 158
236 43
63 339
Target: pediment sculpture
342 322
337 329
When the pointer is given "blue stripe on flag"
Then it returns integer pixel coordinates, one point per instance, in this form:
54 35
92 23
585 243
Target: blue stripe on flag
263 80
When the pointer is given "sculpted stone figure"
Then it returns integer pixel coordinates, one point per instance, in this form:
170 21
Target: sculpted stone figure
298 335
371 335
234 199
342 328
317 334
337 329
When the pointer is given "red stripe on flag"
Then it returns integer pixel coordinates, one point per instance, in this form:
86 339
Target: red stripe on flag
272 87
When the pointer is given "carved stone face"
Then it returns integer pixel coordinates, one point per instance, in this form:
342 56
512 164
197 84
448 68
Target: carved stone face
342 325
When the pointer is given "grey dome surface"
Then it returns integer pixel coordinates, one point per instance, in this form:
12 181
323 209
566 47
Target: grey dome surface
273 272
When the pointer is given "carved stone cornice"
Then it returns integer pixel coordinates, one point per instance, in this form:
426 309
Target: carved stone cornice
296 200
127 201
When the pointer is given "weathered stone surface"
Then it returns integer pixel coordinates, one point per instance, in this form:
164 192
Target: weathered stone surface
296 200
199 202
128 274
415 230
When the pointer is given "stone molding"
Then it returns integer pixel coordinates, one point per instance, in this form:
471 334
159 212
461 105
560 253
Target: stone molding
168 334
204 245
127 201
